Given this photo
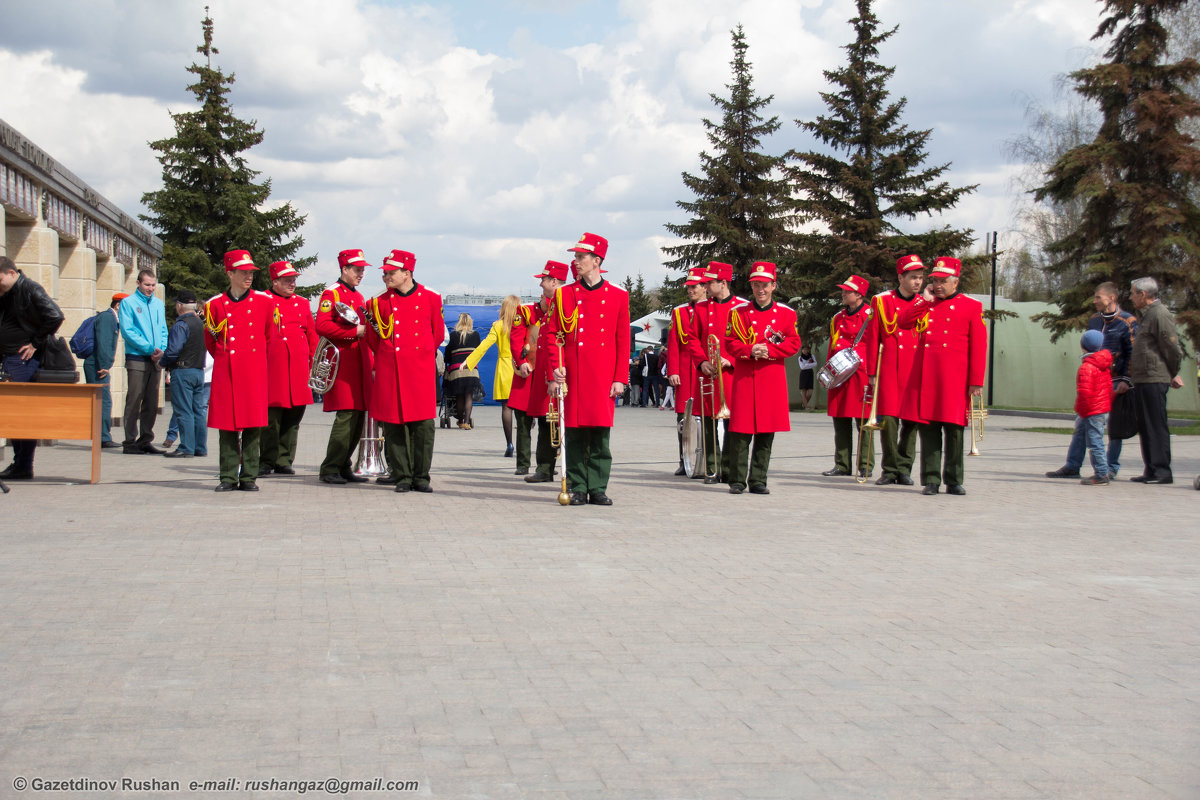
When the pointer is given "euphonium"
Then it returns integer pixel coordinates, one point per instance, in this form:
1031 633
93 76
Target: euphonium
324 369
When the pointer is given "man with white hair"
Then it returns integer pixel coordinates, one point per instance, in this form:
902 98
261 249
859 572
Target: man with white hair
1154 369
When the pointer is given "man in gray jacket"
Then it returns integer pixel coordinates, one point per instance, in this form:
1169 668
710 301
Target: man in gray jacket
1154 369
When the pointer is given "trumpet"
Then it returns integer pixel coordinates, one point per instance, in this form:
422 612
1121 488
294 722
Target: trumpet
976 415
868 426
324 369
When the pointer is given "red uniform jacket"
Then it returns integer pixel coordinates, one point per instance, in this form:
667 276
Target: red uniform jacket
760 386
899 351
1093 384
405 347
680 360
951 357
847 399
529 394
290 353
712 316
237 334
352 387
595 324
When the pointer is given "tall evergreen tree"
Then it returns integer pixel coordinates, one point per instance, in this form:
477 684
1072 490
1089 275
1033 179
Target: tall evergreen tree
640 302
1137 178
739 215
869 178
210 201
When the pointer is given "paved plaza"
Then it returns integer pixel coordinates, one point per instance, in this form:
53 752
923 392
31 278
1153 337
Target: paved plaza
1034 639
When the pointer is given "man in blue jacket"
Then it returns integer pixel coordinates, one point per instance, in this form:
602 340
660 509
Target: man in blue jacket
144 329
97 367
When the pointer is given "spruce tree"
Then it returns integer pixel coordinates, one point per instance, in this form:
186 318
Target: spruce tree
869 178
739 214
210 201
1137 178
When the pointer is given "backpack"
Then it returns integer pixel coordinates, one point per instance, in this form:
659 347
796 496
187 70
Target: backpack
83 343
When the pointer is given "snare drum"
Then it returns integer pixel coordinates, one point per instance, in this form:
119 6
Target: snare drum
839 368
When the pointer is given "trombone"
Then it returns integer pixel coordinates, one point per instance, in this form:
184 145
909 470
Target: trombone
976 415
712 390
556 418
868 424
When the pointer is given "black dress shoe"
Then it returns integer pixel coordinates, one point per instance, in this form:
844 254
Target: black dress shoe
681 471
521 471
1140 478
225 487
1063 472
132 450
956 488
401 488
885 480
152 450
177 454
709 481
758 488
829 473
386 480
904 480
13 473
352 478
735 489
578 499
1162 481
336 479
263 472
110 443
284 471
248 486
599 499
538 477
930 488
423 488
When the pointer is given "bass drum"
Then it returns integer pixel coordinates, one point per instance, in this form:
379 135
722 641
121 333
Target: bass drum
839 368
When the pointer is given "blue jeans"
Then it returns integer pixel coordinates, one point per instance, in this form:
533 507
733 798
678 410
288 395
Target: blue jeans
189 398
1089 433
1079 446
19 371
90 375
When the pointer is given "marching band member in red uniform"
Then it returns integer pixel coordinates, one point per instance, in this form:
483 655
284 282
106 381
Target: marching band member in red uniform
349 393
846 404
712 317
531 342
762 335
289 359
405 329
950 367
237 333
893 365
681 368
592 317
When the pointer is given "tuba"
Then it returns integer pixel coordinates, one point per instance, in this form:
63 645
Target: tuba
324 368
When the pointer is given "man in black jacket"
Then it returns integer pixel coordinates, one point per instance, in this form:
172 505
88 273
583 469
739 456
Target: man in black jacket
28 318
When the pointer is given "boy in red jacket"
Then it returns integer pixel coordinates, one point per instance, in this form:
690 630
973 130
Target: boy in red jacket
1093 401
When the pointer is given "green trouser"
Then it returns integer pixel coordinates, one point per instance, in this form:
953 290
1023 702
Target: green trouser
899 441
843 444
589 460
931 453
343 439
714 454
408 450
279 437
546 453
238 447
737 451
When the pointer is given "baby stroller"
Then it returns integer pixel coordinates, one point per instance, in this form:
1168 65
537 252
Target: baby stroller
448 408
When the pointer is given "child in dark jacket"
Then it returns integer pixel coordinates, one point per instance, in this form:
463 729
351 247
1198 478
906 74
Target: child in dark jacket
1093 401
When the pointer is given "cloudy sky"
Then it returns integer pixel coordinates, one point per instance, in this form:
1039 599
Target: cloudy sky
486 135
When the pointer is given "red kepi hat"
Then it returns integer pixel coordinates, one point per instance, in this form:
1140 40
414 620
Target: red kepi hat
282 269
352 258
762 271
238 260
696 277
947 266
908 264
553 269
399 259
719 271
856 283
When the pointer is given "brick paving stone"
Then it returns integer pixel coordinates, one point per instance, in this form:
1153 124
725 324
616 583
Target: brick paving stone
1035 638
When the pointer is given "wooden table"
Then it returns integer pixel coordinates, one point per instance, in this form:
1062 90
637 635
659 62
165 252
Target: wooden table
53 411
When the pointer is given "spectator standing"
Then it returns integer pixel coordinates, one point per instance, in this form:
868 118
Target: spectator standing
500 335
143 321
635 381
1093 401
184 358
28 318
808 366
1119 329
1154 369
97 367
461 381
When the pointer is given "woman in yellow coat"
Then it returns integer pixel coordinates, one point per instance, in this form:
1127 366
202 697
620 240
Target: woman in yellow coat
504 362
